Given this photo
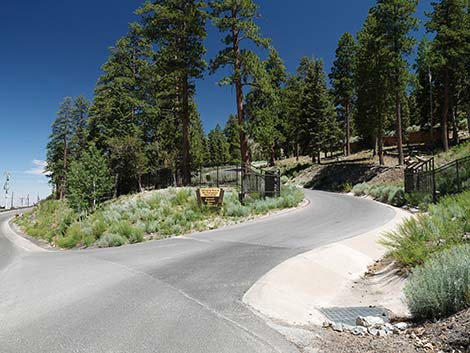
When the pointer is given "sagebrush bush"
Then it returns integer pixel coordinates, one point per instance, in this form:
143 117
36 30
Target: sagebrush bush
387 193
162 214
443 227
441 286
132 233
361 189
111 240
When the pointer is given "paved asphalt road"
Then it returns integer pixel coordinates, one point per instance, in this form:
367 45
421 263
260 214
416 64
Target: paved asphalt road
178 295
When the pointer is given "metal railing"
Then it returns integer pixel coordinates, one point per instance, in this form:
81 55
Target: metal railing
452 178
246 179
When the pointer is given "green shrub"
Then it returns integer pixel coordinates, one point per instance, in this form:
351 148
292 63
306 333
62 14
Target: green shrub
361 189
161 213
420 199
284 179
72 237
443 227
128 231
387 193
442 286
111 240
347 187
49 220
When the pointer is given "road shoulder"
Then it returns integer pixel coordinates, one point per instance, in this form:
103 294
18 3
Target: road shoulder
17 238
295 291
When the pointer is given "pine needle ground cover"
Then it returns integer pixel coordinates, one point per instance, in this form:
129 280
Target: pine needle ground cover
146 216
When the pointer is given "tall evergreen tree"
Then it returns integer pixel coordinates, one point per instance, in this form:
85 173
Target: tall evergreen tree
199 152
426 95
178 29
264 106
395 22
121 93
128 162
58 147
342 80
449 22
218 146
372 84
232 133
237 20
291 100
318 121
79 138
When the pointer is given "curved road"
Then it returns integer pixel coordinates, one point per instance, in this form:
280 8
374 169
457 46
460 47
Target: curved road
177 295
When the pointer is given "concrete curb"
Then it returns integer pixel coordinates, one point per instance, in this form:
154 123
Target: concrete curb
294 291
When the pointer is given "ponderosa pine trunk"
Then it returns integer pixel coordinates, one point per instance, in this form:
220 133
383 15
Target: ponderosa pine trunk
380 139
186 168
272 156
399 128
445 113
245 157
348 129
185 118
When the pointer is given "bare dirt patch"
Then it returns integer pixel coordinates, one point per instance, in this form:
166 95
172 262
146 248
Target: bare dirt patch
449 335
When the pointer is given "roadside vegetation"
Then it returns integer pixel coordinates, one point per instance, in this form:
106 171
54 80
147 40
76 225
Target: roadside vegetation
391 194
441 287
145 216
435 248
446 225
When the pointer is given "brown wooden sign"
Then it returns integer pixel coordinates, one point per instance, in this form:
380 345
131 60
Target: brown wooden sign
212 197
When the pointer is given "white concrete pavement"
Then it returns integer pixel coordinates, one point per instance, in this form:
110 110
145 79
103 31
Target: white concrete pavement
296 290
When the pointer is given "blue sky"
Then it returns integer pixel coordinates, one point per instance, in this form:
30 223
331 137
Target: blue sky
51 49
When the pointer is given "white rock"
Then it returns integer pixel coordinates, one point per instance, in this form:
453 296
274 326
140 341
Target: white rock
337 327
383 333
370 321
348 328
327 323
359 331
402 326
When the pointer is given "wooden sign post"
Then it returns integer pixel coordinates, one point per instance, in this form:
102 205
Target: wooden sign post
212 197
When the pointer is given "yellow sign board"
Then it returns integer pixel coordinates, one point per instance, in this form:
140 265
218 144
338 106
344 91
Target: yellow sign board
210 196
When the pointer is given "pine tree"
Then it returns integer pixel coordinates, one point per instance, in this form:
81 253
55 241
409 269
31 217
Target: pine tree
218 146
129 163
237 20
232 134
178 29
264 106
449 22
395 22
426 94
291 101
342 81
58 148
372 84
319 130
79 138
199 152
121 97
